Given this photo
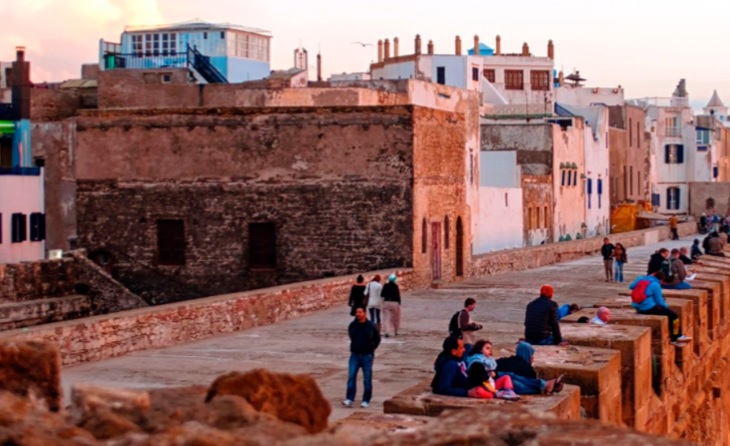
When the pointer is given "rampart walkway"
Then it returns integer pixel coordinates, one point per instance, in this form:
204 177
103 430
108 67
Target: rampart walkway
318 344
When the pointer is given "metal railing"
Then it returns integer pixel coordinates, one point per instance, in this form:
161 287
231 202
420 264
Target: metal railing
673 132
142 60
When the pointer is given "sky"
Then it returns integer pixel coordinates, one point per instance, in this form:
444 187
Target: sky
646 46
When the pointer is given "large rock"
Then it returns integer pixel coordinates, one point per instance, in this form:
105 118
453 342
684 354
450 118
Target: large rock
293 398
31 369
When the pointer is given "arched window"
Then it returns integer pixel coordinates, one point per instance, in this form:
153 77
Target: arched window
424 237
446 232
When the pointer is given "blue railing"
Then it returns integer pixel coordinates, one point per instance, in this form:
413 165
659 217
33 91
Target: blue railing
25 171
114 61
202 65
562 111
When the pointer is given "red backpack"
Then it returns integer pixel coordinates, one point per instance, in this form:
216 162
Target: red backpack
638 294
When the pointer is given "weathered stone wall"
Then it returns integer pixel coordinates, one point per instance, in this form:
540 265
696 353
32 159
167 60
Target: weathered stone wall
54 142
116 334
337 184
699 193
54 104
548 254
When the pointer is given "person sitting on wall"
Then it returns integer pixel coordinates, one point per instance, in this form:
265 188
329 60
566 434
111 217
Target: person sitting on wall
714 245
696 252
451 378
541 319
657 259
679 273
524 377
481 370
647 298
603 315
567 309
684 256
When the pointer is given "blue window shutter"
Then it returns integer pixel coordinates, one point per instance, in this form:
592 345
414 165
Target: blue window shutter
589 186
669 197
600 186
667 148
680 153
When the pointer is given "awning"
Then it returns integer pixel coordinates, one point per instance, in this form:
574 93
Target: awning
7 127
651 216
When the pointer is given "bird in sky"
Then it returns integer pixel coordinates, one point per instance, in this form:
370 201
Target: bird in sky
363 44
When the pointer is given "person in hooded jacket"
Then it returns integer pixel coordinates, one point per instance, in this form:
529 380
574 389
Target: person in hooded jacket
357 296
524 378
451 378
391 306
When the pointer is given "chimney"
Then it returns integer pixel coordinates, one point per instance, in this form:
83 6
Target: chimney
418 44
551 50
476 45
319 67
458 45
561 78
20 86
499 45
430 47
525 49
386 49
380 50
395 46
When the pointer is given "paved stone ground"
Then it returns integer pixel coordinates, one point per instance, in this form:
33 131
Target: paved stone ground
318 343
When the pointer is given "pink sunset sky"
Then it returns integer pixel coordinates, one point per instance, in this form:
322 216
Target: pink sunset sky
646 46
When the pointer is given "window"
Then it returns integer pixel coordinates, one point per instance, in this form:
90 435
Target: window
545 215
529 218
575 178
489 75
674 154
715 172
563 174
638 135
441 75
631 133
248 46
262 245
205 35
513 80
446 232
474 73
570 177
538 223
170 242
673 198
672 128
703 136
600 191
424 237
223 34
18 230
631 180
540 80
589 190
37 227
137 44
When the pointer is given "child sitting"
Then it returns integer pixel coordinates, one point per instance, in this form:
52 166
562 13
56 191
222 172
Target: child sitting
481 369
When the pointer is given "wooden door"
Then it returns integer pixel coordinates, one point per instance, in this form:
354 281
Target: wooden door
436 251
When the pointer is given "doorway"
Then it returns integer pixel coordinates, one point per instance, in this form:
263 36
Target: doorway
459 248
436 251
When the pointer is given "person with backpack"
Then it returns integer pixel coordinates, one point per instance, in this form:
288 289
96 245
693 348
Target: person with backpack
647 298
462 325
364 339
678 274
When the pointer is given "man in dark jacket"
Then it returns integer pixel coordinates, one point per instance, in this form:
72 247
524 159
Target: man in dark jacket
656 260
451 378
364 339
541 319
607 254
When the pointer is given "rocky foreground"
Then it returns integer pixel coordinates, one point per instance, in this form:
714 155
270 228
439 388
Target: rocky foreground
253 408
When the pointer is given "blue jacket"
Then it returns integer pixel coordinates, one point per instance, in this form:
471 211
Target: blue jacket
451 378
654 296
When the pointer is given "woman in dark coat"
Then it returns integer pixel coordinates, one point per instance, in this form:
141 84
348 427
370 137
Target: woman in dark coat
524 377
357 296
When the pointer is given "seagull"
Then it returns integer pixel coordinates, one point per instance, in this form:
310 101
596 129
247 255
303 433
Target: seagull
362 44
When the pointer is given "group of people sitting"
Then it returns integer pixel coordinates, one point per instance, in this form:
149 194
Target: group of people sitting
713 244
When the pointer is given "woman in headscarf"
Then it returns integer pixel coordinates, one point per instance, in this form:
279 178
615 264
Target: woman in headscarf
391 306
524 378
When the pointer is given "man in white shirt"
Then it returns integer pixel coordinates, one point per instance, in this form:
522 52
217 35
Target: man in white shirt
602 316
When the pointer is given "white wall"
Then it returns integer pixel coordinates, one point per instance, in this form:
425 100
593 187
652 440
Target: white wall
596 167
499 169
397 70
585 96
500 223
20 194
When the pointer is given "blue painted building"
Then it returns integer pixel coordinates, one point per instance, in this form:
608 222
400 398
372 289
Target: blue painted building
216 52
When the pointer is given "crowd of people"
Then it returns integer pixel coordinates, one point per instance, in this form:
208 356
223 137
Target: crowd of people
466 366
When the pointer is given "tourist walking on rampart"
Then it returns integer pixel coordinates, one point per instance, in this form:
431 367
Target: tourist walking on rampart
357 296
673 226
541 319
364 339
391 306
620 258
375 302
607 253
647 298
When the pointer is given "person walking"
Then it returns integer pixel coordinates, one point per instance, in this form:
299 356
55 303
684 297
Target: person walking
673 225
607 253
364 339
541 319
466 326
375 301
391 306
357 296
619 255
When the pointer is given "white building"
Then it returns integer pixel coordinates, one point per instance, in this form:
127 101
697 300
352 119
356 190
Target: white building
22 216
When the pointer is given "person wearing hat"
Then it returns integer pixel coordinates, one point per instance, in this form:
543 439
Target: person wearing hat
541 319
391 306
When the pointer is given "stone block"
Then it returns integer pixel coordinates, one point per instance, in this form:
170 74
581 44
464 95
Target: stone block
723 279
714 304
634 343
419 400
32 369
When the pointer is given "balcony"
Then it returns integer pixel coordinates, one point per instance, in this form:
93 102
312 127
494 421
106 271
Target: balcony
673 132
